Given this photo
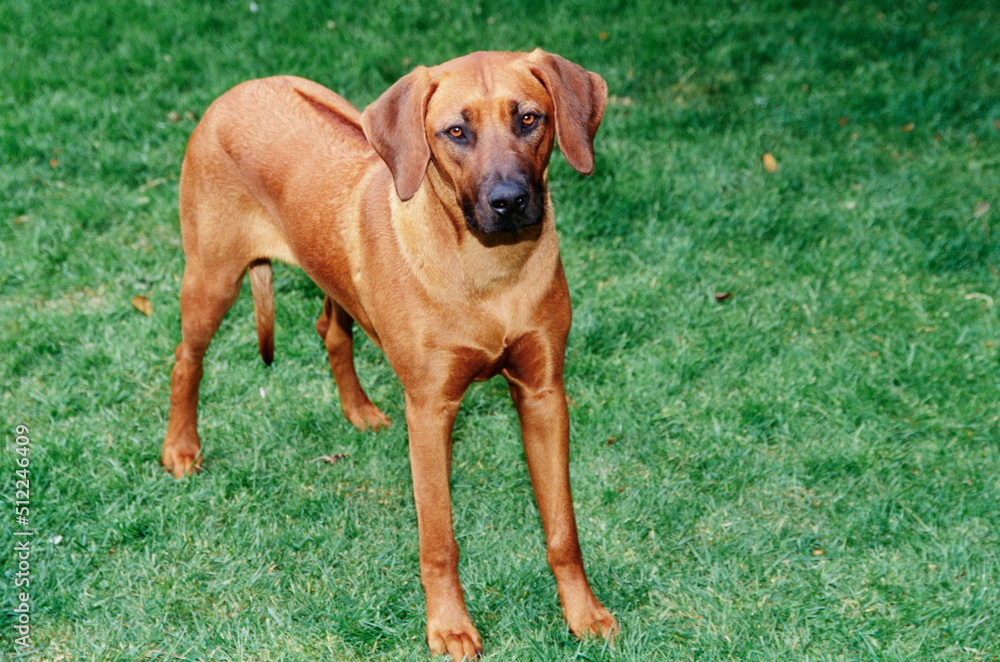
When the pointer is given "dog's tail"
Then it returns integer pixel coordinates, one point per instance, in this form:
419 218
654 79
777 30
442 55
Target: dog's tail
263 307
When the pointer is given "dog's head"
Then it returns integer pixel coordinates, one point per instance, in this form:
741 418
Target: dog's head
488 121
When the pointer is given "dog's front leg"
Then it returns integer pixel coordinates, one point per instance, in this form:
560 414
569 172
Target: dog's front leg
430 416
541 407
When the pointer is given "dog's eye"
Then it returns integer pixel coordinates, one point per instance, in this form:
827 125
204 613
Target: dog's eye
456 132
530 122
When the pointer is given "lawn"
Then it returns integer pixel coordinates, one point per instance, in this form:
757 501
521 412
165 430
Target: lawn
785 383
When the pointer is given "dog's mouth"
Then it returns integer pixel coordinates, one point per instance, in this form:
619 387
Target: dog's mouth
495 223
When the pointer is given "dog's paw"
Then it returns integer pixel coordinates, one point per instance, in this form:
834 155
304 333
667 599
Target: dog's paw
367 415
181 458
461 642
594 621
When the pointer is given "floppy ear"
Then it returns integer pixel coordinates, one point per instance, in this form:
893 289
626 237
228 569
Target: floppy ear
394 125
579 98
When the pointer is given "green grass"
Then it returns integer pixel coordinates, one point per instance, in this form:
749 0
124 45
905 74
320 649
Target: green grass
808 470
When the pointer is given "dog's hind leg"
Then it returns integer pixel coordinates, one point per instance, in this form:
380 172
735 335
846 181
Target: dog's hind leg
336 328
206 295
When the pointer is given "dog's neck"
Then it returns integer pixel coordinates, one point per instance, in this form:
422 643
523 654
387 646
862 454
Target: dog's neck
446 255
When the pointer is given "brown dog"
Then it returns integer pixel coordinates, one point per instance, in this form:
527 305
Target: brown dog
425 219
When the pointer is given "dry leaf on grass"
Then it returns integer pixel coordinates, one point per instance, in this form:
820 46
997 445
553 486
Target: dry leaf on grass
143 305
770 163
331 459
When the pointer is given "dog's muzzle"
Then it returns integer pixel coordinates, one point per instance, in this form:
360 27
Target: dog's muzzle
508 199
505 206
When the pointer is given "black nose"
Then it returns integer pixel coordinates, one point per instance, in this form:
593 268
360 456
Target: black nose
509 198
